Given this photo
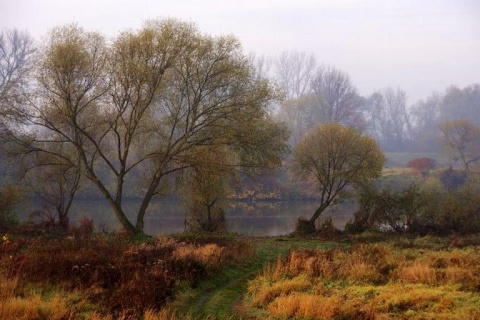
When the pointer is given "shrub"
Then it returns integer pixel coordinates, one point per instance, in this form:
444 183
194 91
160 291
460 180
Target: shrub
452 179
387 209
327 230
9 197
421 165
304 227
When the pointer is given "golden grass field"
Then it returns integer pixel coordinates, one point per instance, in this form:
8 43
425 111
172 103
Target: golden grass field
370 281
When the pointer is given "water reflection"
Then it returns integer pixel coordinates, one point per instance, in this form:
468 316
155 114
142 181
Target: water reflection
246 218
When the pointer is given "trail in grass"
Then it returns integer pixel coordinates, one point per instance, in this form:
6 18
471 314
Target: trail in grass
219 301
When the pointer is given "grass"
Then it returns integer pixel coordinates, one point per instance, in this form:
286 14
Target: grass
220 297
370 281
103 277
229 277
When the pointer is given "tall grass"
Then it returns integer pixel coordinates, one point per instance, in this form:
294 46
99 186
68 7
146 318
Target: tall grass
373 281
68 278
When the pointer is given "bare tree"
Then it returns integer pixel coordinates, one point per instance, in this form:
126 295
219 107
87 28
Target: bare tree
56 186
144 104
16 51
461 141
263 65
300 115
388 109
425 116
294 72
338 100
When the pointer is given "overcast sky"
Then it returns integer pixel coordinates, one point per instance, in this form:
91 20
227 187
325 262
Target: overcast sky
418 45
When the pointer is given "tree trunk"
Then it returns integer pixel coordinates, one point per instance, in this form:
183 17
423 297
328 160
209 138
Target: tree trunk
117 208
145 202
317 213
122 217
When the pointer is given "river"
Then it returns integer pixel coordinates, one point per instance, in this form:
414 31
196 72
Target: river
246 218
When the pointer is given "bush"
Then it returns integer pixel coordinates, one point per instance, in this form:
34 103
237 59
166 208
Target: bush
327 230
456 211
387 210
9 197
304 227
421 165
452 179
431 210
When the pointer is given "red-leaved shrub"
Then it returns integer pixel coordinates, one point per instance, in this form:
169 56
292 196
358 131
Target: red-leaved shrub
421 165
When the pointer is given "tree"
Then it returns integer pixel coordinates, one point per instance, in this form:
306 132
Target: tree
16 52
461 141
336 157
425 115
300 115
294 72
55 183
389 119
461 104
207 186
143 104
337 98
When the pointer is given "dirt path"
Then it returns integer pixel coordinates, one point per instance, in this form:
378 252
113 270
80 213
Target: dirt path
225 301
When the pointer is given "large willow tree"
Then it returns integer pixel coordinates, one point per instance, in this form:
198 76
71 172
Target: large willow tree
127 114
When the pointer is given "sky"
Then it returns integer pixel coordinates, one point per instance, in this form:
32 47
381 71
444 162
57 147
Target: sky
420 46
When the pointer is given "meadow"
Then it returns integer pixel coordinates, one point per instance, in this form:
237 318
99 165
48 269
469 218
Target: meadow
371 281
189 276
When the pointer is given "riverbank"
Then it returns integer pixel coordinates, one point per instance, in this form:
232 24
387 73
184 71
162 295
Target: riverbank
201 277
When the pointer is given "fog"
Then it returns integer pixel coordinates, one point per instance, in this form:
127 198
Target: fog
419 46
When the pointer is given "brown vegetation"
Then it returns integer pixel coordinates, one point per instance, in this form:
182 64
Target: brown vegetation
112 275
372 281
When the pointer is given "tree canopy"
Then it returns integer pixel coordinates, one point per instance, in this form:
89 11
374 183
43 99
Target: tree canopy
336 157
143 104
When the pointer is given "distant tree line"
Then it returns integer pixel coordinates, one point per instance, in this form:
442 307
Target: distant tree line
317 93
167 109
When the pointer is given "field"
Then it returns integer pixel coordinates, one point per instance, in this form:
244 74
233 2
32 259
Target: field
229 277
370 281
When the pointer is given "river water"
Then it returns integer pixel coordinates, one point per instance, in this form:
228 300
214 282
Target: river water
246 218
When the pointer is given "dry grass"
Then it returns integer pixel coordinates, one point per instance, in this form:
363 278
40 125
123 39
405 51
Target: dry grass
371 282
33 305
116 277
211 255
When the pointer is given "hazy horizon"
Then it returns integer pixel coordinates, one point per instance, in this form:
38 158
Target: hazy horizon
418 46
